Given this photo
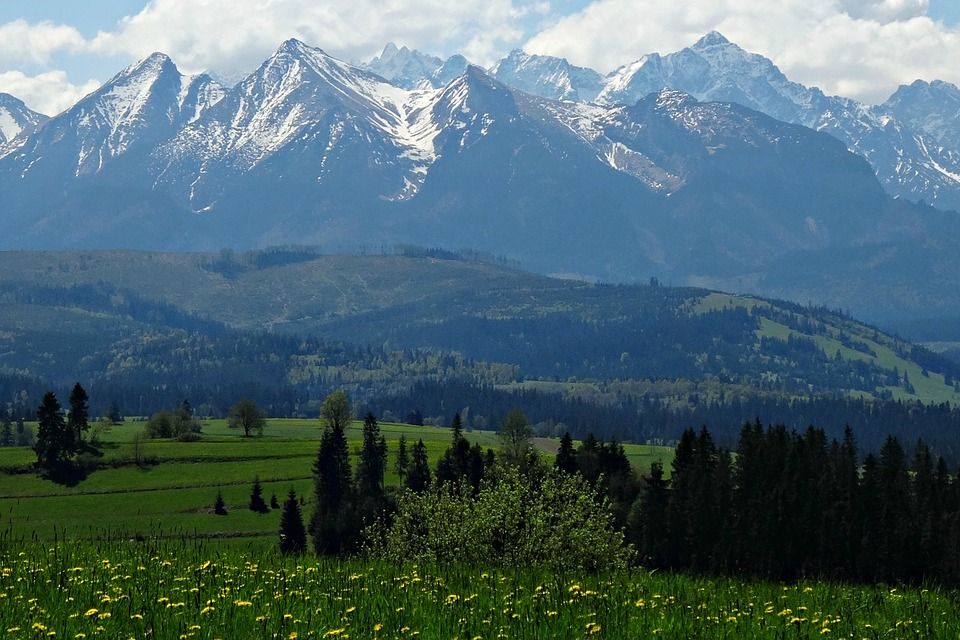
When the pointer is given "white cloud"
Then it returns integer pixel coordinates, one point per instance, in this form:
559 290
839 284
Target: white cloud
230 36
49 93
22 42
859 48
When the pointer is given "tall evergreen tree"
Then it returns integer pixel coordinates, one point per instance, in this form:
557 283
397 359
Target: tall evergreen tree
257 502
418 475
6 429
648 519
332 525
371 469
78 419
54 440
293 536
566 459
403 458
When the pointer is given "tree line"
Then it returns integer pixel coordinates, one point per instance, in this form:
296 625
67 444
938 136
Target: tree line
786 504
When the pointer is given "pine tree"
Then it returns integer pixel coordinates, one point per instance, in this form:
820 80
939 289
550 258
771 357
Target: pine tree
293 537
219 506
403 459
371 469
6 429
566 459
54 441
648 519
418 475
332 524
256 498
78 420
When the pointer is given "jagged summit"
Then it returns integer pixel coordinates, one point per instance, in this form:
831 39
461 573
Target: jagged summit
548 76
711 39
16 119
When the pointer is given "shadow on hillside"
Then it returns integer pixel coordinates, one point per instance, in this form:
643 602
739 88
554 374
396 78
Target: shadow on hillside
68 475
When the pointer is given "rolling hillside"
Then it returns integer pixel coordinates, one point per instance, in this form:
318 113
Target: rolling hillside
128 315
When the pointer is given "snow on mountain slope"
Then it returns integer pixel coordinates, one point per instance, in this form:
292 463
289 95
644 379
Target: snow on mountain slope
548 77
411 69
715 69
16 119
301 93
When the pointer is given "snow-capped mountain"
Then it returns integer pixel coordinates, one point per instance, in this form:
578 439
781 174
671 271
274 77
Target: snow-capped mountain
16 119
906 160
311 149
548 76
411 69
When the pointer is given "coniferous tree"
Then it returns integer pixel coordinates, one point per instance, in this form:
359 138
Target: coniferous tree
219 506
371 469
648 519
78 419
418 474
566 459
332 524
54 440
256 498
274 504
403 458
6 429
293 536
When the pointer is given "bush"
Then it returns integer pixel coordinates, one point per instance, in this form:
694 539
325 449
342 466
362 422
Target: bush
554 521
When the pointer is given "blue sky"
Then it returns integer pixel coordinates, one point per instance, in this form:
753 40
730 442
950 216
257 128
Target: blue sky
53 51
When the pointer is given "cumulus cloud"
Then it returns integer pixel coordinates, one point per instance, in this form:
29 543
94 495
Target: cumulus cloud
49 93
23 42
859 48
231 36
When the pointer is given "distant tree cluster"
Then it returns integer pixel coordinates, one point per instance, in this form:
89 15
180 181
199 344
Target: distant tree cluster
794 504
60 438
179 424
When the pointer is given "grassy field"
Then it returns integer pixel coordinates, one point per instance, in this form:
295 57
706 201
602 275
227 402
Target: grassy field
175 496
190 590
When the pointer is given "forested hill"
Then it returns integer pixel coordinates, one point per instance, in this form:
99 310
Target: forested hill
287 325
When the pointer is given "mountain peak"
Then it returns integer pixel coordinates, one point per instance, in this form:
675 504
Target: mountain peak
711 39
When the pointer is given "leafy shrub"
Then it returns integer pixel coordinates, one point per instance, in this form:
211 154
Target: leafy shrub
554 521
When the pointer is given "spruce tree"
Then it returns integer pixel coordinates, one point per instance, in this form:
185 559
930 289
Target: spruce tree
219 506
371 469
373 460
566 460
418 474
256 498
403 459
274 504
54 441
293 537
6 429
648 519
332 524
78 420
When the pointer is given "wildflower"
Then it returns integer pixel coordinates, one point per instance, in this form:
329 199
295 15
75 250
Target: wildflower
243 603
90 613
334 633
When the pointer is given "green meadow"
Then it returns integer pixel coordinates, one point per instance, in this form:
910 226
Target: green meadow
173 493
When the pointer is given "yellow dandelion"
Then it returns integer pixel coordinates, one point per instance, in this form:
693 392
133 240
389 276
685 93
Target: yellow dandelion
90 613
